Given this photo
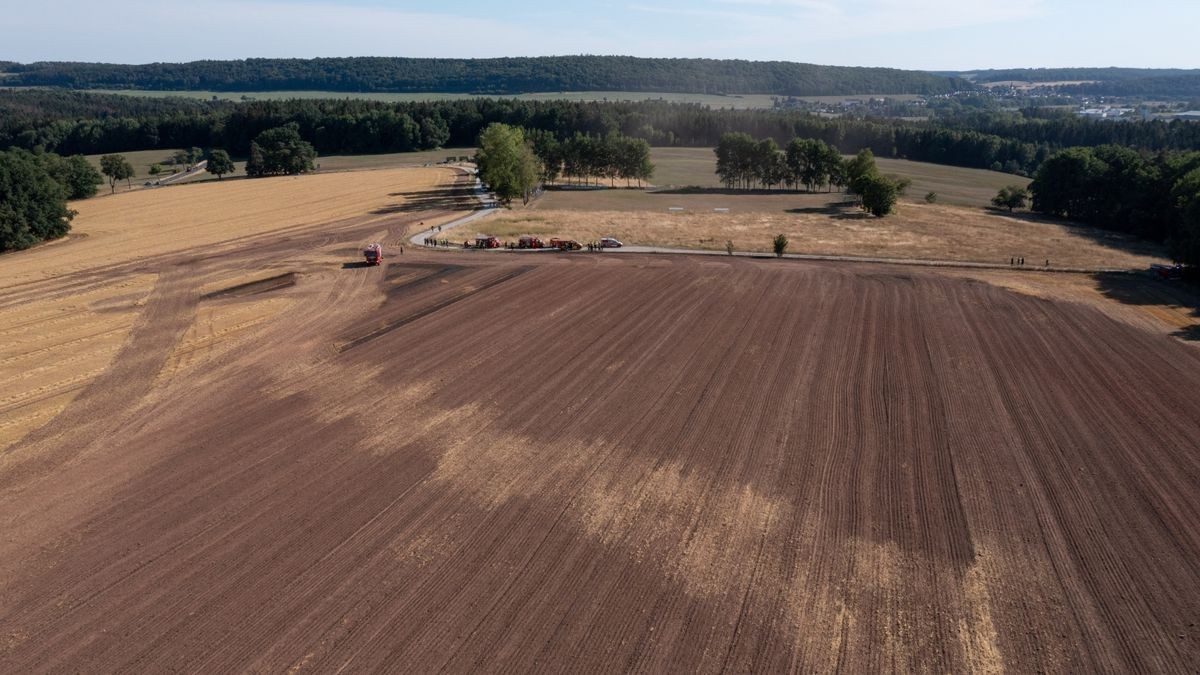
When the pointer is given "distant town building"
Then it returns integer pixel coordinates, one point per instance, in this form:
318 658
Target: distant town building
1104 113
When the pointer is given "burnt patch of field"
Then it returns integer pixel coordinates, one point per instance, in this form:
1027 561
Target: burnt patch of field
273 283
454 295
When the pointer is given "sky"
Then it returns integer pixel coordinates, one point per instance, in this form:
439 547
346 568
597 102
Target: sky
913 34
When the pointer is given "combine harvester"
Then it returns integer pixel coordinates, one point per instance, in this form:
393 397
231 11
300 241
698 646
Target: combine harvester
373 254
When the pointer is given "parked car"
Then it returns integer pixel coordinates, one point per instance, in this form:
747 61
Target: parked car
610 242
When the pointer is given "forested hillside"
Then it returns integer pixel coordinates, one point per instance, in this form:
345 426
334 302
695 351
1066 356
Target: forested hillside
1073 74
488 76
1169 83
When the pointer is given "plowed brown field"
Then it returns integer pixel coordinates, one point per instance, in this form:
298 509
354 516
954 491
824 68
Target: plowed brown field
579 463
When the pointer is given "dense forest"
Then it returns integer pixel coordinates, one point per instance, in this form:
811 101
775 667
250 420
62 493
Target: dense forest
1156 197
488 76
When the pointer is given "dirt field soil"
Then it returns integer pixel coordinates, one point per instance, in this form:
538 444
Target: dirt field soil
489 462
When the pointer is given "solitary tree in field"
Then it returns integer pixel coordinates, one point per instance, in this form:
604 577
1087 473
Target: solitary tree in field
219 163
1011 197
878 193
116 167
780 244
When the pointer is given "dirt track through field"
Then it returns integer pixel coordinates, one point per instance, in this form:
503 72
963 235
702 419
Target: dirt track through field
592 463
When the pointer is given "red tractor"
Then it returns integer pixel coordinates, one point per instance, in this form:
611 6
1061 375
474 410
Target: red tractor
373 254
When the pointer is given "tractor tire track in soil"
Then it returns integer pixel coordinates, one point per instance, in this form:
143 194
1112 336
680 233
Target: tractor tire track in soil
642 463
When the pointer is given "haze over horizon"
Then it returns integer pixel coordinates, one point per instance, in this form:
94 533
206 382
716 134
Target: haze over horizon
942 35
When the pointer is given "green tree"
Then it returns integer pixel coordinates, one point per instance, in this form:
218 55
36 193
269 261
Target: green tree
155 169
811 162
859 167
506 162
280 151
33 205
1067 185
878 193
1185 242
434 132
779 244
931 197
735 159
76 174
219 163
1011 197
633 159
549 152
766 167
117 168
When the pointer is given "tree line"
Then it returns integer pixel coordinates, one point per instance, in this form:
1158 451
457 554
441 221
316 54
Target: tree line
746 163
71 123
582 158
1154 196
513 161
488 76
35 186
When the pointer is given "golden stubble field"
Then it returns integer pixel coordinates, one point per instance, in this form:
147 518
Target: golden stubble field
817 224
68 307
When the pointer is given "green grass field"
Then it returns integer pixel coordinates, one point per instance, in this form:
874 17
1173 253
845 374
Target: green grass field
953 185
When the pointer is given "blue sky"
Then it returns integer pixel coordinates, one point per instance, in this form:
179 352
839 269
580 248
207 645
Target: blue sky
920 34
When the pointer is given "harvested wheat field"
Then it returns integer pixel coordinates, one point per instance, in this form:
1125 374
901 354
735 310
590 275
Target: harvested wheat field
68 307
491 462
815 225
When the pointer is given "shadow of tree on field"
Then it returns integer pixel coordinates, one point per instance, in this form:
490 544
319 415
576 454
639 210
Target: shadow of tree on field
1191 333
1144 289
1119 241
454 198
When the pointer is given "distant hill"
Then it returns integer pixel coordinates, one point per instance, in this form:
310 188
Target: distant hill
488 76
1129 82
1071 74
